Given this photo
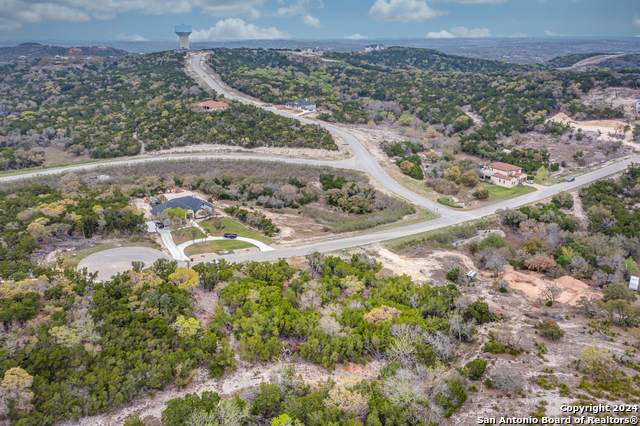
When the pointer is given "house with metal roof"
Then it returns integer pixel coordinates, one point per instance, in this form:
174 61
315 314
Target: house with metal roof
302 105
194 206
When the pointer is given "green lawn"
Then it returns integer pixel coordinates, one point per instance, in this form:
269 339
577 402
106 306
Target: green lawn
233 227
499 193
183 235
214 246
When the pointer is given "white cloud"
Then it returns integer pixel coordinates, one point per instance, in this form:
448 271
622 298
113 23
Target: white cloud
472 1
16 13
356 37
130 37
518 35
463 32
403 11
552 34
440 34
474 33
253 14
300 8
311 21
237 29
636 22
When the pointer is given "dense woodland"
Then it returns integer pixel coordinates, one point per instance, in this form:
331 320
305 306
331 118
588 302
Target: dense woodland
109 107
422 87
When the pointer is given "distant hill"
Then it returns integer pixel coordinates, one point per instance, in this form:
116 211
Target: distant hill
567 61
595 61
27 51
425 59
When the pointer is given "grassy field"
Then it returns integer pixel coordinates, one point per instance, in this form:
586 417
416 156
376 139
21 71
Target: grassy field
184 235
497 193
233 227
81 254
214 246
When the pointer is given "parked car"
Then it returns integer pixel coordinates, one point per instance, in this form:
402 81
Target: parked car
529 181
159 225
571 179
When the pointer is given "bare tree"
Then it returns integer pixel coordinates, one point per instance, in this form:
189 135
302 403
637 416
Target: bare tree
494 259
460 328
316 263
443 345
551 291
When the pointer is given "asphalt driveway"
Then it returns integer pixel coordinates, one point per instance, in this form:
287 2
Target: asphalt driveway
111 262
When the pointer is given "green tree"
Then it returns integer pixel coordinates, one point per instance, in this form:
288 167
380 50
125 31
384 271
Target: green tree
405 119
631 266
452 173
269 403
541 175
618 291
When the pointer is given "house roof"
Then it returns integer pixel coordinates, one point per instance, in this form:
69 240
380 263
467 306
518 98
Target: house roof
302 102
189 203
504 167
519 174
212 104
501 176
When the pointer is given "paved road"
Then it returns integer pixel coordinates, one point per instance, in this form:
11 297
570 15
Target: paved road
362 160
368 164
114 261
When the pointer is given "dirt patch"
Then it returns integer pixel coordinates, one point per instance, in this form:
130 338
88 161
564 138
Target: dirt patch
204 305
430 268
342 153
613 97
532 284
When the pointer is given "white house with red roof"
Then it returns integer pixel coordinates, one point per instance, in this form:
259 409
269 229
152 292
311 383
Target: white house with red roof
212 105
503 174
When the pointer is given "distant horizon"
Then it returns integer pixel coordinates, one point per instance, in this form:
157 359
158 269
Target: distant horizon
293 39
216 20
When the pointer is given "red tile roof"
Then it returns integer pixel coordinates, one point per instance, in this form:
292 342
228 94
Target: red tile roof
504 167
501 176
212 104
519 174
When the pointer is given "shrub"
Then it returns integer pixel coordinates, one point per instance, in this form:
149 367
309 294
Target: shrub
507 380
481 193
600 363
495 347
475 369
381 314
452 398
447 202
453 275
550 329
493 241
480 312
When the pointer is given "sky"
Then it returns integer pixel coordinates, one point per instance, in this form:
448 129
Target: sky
215 20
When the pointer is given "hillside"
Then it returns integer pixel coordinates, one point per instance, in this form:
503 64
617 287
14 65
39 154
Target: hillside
595 61
569 60
26 51
426 59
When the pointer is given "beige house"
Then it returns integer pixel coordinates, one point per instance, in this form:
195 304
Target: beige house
503 174
212 106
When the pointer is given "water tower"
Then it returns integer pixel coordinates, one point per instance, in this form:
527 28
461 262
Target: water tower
183 32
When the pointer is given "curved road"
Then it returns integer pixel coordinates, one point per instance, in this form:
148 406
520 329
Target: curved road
362 160
368 164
